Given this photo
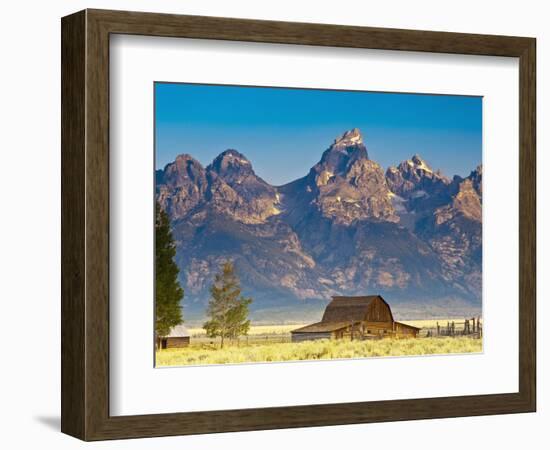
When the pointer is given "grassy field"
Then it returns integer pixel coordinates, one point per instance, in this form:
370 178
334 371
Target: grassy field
255 330
201 354
432 323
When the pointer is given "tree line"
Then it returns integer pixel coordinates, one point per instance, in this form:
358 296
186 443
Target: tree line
227 310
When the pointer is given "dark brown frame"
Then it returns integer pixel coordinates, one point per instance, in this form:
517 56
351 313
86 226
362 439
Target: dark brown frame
85 224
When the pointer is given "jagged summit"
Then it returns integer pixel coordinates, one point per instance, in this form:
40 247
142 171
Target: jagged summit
415 177
476 176
184 157
418 166
230 159
346 186
419 163
343 152
182 161
477 172
183 170
232 155
350 137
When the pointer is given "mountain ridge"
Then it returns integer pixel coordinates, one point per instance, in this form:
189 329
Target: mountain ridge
347 227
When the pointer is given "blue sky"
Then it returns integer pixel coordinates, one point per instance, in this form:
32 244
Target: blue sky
283 132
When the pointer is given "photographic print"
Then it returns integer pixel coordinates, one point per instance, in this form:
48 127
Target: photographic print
307 224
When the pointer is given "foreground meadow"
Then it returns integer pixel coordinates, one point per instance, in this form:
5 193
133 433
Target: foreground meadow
314 350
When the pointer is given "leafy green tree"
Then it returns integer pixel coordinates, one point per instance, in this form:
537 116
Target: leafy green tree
168 292
227 309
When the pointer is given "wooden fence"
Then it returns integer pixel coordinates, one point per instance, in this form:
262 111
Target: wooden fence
245 340
469 327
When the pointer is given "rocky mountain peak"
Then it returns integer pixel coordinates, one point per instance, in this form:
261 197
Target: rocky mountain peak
228 161
183 162
181 186
467 200
414 175
476 177
347 186
350 137
344 151
236 191
184 170
416 163
465 203
182 158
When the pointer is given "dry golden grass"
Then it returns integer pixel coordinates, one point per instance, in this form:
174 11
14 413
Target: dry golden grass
432 323
315 350
255 330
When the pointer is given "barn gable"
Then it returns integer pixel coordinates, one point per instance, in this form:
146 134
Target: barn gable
357 309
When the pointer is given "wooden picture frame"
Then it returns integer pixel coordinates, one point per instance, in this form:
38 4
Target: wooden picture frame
85 224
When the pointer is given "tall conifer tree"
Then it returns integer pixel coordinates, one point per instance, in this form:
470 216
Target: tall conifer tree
168 292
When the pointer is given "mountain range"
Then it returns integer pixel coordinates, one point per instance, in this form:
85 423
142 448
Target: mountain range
345 228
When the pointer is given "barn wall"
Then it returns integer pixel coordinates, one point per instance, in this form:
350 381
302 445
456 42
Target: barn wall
300 337
405 331
378 311
379 327
177 342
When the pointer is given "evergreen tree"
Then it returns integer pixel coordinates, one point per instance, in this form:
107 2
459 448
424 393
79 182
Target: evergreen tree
227 309
168 292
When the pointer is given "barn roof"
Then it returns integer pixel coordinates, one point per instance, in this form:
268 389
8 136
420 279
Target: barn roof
321 327
348 309
178 331
406 325
342 312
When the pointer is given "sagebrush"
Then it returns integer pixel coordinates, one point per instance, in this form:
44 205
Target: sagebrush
316 350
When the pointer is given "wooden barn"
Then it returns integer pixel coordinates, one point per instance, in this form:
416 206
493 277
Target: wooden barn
178 338
355 318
